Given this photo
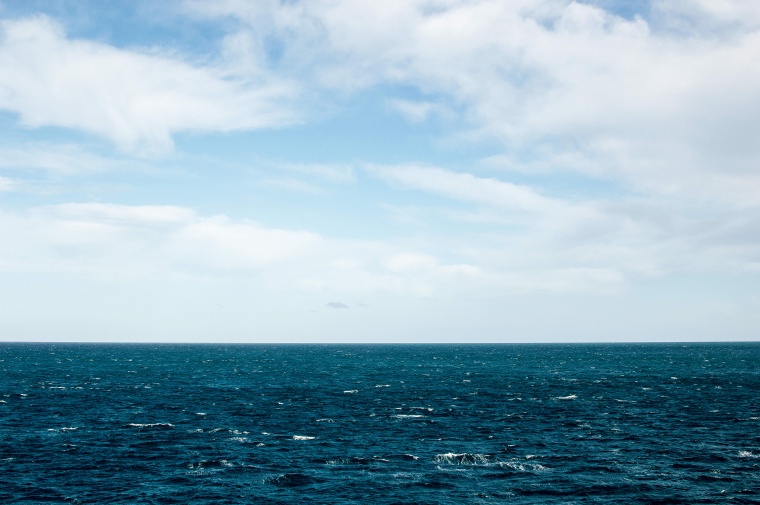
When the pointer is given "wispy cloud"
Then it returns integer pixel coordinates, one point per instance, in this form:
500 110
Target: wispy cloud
419 111
466 186
7 184
59 159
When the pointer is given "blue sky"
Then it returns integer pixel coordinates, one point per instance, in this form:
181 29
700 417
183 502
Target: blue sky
360 171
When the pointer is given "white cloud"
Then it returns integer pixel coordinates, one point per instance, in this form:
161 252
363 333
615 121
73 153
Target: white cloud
65 159
129 243
418 111
465 186
562 84
222 244
291 184
530 239
137 100
714 16
105 271
7 184
306 178
127 240
408 262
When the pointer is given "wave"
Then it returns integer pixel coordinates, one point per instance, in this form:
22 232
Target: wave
150 425
464 458
521 467
476 459
303 437
748 454
209 464
355 461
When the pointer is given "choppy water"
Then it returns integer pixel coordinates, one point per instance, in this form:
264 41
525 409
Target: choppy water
218 424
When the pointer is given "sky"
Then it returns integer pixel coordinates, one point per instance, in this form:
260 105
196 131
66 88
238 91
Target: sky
364 171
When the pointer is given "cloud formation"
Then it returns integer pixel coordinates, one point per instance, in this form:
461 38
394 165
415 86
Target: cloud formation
123 240
465 186
434 156
663 101
599 250
137 100
7 184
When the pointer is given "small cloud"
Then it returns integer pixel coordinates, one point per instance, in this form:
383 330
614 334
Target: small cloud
290 184
337 305
414 112
61 159
419 111
7 184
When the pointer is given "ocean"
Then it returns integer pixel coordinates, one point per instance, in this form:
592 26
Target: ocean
380 424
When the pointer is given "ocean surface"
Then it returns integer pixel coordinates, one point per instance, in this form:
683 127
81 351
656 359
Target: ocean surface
380 424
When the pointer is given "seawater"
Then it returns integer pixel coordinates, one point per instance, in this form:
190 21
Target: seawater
437 424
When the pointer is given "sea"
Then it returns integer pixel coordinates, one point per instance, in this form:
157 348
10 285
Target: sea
380 424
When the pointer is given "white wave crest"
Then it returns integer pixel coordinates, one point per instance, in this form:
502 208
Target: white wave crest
520 467
150 425
464 458
302 437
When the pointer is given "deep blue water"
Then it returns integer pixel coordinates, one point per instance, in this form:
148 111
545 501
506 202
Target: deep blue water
215 424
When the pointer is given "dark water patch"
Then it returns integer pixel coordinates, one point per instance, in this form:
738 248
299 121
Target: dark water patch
292 480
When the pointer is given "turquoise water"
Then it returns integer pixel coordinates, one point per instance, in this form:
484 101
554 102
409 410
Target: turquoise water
213 424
